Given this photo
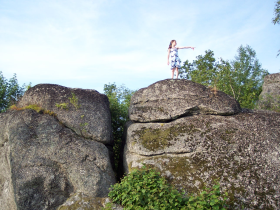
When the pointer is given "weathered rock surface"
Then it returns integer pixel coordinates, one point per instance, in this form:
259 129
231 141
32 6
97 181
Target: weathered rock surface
271 84
241 151
83 202
43 162
169 99
7 201
89 116
270 95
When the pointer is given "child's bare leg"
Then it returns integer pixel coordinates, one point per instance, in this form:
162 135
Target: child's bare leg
172 73
177 72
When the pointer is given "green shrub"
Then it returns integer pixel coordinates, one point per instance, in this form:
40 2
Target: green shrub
207 199
146 189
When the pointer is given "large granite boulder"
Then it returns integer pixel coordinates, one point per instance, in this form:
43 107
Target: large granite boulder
170 99
84 111
44 163
270 95
240 151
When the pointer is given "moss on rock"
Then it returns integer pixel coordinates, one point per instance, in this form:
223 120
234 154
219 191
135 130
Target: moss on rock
155 139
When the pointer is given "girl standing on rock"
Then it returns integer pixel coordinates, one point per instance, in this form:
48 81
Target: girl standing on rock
175 60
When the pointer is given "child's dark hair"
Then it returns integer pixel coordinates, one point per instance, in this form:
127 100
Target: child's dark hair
170 45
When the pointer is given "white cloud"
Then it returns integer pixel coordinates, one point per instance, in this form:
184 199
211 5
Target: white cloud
90 43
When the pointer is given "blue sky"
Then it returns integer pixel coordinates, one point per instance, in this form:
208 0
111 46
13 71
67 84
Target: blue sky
89 43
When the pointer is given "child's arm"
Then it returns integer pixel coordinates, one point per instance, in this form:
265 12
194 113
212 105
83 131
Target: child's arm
185 47
168 54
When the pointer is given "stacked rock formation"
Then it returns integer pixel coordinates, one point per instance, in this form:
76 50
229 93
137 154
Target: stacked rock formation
270 95
195 136
47 159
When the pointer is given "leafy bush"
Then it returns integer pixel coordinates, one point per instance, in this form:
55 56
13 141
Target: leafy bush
146 189
207 199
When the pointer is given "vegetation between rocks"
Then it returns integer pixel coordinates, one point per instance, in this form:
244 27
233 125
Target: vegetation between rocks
119 98
147 189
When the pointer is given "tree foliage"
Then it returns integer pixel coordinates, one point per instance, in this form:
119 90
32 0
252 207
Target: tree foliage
276 19
203 70
119 98
241 78
10 92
